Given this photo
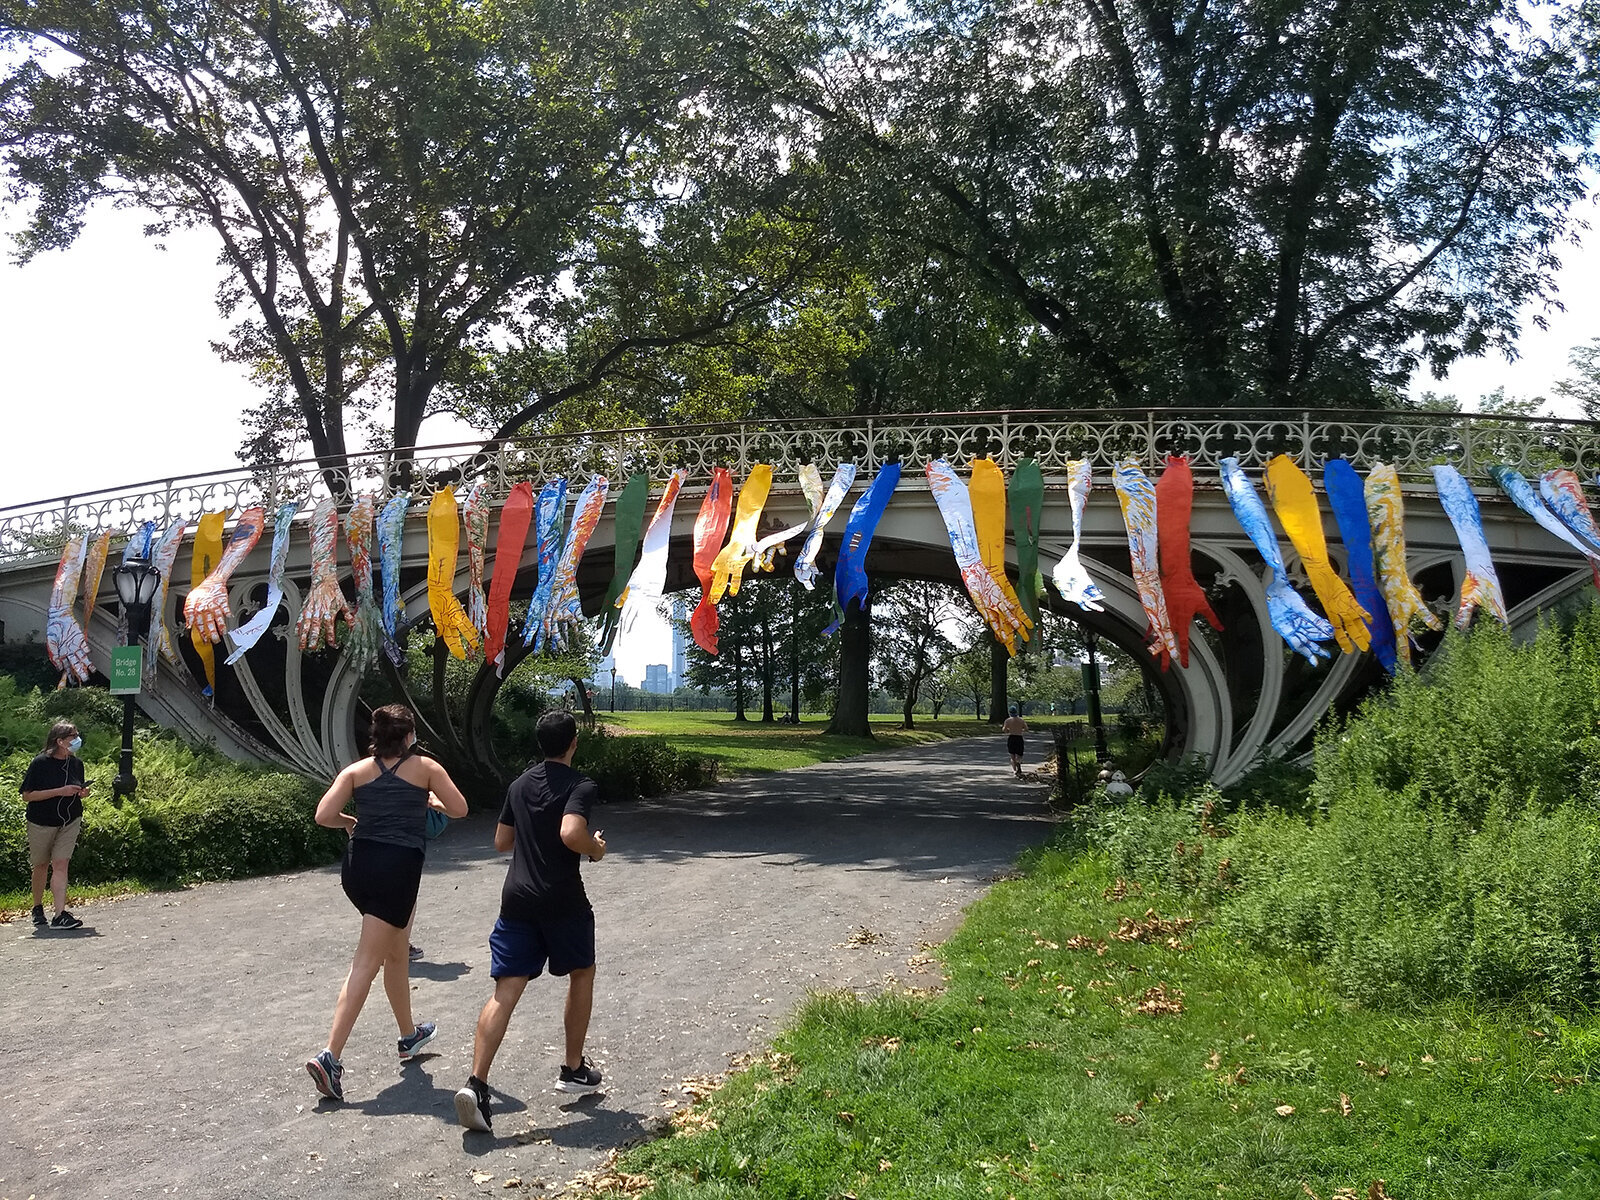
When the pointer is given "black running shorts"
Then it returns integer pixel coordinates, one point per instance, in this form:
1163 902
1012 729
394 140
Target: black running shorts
1014 744
382 879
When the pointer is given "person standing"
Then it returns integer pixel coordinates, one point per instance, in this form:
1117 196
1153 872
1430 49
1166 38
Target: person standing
54 787
393 791
545 915
1014 728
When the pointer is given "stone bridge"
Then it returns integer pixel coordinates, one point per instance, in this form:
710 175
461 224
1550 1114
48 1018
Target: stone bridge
1242 693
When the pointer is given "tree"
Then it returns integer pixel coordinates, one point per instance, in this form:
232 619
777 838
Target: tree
920 625
1207 203
766 634
403 191
967 674
1583 387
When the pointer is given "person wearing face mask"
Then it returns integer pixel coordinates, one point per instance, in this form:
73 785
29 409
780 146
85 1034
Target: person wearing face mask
54 789
392 790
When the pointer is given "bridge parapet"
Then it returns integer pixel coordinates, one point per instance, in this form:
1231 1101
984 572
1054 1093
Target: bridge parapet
1410 441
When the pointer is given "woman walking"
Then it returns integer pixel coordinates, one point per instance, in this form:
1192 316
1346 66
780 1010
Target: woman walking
382 873
54 788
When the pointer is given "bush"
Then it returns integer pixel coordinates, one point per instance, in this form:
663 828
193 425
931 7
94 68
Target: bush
629 767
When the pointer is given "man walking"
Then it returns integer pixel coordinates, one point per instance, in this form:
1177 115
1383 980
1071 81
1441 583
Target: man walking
545 915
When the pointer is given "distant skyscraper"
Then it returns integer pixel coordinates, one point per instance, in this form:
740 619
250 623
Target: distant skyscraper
657 678
680 641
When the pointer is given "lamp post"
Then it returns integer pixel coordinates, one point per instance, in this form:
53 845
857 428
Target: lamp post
613 688
136 581
1091 688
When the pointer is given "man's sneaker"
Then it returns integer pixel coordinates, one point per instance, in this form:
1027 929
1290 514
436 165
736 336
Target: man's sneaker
414 950
412 1046
327 1072
38 915
581 1078
65 920
472 1105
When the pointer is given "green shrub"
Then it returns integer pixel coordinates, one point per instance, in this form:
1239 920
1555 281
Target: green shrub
629 767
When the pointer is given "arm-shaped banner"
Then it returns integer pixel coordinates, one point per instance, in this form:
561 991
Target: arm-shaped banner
1186 599
94 569
627 519
1295 502
206 554
1070 576
1529 501
64 639
727 569
248 634
709 526
805 564
391 528
475 511
548 512
955 507
1138 498
850 574
988 490
648 582
769 547
1386 514
1480 586
1348 500
1563 493
1299 627
206 607
1026 498
163 555
566 607
515 517
444 546
366 630
324 601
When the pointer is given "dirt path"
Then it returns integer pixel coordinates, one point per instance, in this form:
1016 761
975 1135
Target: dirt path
159 1050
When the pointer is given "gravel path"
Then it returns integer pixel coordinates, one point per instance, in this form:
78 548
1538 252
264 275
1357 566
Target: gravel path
158 1051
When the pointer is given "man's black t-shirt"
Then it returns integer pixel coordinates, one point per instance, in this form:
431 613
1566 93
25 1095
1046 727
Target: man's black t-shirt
45 774
543 880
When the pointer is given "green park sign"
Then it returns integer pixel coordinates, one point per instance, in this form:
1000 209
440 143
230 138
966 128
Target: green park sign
127 670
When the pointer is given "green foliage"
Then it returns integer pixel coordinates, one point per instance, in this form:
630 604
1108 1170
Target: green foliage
626 768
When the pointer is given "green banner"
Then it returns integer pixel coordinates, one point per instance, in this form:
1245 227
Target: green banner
127 663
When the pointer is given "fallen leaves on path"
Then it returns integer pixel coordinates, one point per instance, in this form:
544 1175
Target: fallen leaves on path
609 1181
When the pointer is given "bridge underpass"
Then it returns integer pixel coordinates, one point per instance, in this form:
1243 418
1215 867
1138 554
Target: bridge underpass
1243 691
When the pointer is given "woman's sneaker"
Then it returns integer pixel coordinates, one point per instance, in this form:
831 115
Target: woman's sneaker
581 1078
327 1072
411 1046
472 1105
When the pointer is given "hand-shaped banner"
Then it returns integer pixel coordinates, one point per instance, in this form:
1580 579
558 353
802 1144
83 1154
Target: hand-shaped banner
1184 595
551 507
627 523
1349 504
1295 502
476 513
162 556
955 506
1563 493
391 527
1524 497
366 630
205 610
64 639
1387 516
324 602
1069 576
727 569
248 634
769 547
1481 585
94 569
649 578
988 490
515 516
566 607
850 574
1138 498
1027 502
805 564
444 545
709 526
1296 624
207 554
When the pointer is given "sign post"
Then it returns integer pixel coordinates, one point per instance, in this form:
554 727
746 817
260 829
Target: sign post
127 670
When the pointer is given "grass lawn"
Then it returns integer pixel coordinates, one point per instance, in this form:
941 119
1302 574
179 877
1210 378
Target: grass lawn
1065 1060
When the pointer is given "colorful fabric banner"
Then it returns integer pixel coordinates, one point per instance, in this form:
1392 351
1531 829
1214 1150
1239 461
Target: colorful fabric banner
1480 586
324 601
64 639
515 517
1347 498
1070 577
164 555
205 609
709 526
648 582
955 506
551 507
1563 493
1186 599
475 512
805 563
1524 497
1295 501
1387 517
727 569
94 569
366 629
566 607
1137 496
769 547
1300 628
850 575
627 522
391 528
988 490
1026 499
248 634
207 553
139 543
450 620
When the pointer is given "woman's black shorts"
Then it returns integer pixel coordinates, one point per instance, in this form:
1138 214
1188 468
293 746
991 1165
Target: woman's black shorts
382 879
1014 743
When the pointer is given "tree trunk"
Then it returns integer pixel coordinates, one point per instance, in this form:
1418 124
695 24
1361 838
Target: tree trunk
794 654
910 720
767 716
999 662
937 705
583 694
851 705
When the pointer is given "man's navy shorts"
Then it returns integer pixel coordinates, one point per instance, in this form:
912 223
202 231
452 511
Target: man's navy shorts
523 947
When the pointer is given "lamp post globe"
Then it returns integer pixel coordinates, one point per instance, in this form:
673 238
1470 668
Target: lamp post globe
136 581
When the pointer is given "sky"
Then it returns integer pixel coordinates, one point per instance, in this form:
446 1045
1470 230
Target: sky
110 377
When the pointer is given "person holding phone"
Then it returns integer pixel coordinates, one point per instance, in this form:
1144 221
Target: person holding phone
54 787
545 916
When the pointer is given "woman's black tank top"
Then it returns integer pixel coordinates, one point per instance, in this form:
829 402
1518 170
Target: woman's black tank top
388 809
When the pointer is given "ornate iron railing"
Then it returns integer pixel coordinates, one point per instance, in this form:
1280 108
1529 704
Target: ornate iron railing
1411 441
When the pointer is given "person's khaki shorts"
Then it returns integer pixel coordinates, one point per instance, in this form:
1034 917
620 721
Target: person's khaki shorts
52 843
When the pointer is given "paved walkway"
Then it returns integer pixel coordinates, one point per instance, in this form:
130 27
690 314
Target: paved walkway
159 1051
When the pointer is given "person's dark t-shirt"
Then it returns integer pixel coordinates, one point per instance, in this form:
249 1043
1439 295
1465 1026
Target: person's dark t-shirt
543 880
45 774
